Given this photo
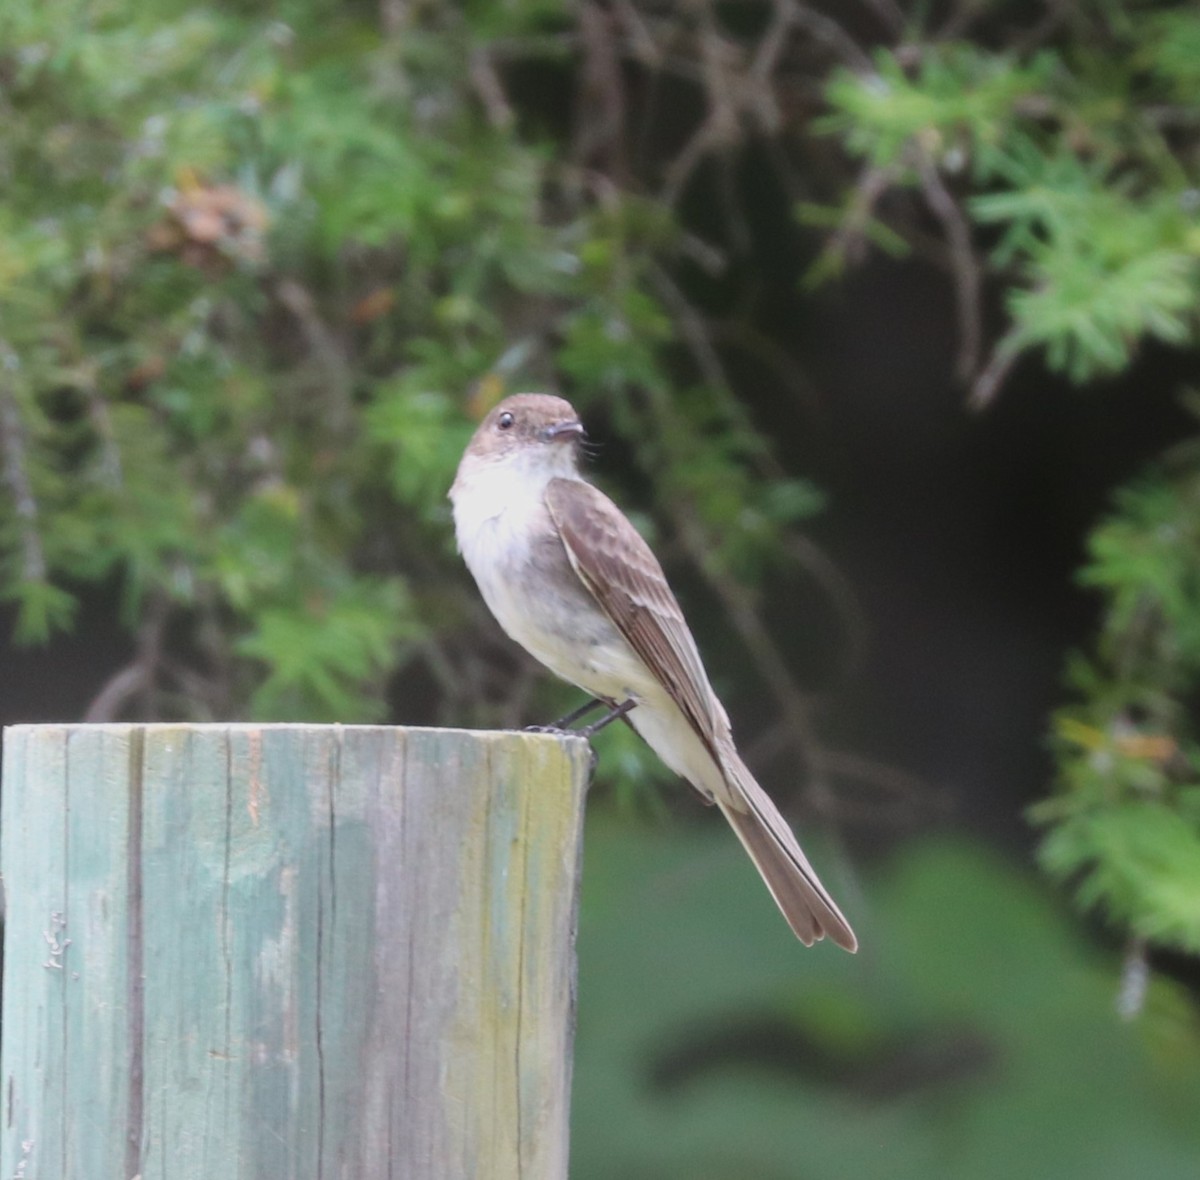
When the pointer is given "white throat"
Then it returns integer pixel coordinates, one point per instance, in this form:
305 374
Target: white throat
497 498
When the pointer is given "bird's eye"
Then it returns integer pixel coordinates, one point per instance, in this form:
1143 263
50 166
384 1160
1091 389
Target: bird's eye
505 420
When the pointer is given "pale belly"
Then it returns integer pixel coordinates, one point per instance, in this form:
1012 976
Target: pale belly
538 600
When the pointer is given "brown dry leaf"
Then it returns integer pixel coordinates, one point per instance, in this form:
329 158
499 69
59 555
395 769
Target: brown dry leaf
210 224
374 305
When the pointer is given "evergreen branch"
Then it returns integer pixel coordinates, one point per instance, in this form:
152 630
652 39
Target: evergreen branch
488 86
826 31
992 376
120 688
692 327
964 266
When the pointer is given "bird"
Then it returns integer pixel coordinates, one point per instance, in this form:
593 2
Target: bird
569 578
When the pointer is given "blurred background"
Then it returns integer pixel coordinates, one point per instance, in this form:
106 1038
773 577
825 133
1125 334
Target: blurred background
883 320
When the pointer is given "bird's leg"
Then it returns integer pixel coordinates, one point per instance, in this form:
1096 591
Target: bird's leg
575 714
563 724
615 713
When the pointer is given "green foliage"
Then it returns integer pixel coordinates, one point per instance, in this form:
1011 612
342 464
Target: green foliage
1125 822
261 270
1140 861
258 276
325 649
960 96
1075 157
976 1010
1105 264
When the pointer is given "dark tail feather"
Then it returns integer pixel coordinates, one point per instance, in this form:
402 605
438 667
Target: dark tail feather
798 892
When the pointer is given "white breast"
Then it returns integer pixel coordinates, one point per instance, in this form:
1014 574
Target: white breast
497 513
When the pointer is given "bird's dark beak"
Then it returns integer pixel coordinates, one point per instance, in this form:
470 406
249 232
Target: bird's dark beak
561 430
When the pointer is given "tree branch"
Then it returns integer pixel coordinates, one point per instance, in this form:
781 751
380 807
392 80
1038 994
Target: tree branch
964 266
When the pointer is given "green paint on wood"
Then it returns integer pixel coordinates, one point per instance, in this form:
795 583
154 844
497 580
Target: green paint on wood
275 952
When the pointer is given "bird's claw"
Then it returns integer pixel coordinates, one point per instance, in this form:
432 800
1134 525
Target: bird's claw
561 727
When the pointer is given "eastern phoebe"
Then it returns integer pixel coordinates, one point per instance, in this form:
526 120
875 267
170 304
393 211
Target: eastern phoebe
572 581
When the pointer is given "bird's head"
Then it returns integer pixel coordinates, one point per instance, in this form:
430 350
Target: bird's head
534 431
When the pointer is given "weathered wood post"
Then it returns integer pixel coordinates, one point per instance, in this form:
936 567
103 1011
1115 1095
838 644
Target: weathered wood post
275 952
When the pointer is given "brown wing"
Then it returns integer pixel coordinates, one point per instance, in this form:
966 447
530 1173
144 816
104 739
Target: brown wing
624 577
622 573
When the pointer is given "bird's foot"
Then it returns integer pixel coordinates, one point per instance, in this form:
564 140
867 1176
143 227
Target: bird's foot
615 713
563 724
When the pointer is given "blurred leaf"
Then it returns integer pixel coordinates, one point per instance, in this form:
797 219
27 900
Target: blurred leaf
971 1009
1141 862
1123 826
324 652
42 610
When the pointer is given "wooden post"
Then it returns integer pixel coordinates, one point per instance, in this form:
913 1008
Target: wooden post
287 951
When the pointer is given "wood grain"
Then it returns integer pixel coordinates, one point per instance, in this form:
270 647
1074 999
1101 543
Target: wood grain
276 952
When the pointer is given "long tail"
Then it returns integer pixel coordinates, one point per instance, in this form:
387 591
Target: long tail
765 835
